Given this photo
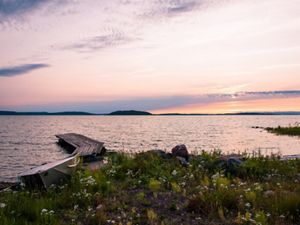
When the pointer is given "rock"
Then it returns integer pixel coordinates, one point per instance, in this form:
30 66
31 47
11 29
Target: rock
230 163
161 153
181 151
182 161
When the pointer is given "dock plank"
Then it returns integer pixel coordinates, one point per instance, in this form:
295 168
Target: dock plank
85 146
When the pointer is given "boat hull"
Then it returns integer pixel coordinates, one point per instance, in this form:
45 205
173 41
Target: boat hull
52 173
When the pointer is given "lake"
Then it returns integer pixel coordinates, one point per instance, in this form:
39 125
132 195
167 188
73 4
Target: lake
27 141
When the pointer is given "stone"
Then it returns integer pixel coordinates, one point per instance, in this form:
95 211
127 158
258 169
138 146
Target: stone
182 161
160 153
180 151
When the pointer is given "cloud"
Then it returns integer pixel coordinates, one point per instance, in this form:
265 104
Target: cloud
274 93
160 102
19 70
17 7
171 7
114 38
181 6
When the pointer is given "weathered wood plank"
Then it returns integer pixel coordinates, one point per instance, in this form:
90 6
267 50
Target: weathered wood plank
85 146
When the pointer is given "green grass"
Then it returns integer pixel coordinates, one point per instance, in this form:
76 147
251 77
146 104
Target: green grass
291 130
147 189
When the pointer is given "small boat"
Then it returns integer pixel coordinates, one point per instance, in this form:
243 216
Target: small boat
51 173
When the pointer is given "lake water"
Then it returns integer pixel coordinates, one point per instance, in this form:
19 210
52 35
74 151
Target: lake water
27 141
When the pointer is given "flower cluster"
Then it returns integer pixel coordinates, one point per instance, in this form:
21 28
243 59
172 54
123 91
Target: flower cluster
82 194
88 181
46 212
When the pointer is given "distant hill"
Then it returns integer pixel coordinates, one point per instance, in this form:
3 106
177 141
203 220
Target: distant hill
13 113
137 113
129 113
266 113
233 114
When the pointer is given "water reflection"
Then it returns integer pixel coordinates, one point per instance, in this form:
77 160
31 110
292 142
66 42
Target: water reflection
26 141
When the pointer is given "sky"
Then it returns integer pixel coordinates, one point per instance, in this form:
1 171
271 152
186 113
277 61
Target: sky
185 56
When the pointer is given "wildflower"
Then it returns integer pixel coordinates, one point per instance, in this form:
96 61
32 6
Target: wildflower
88 181
44 211
174 173
182 184
268 214
248 205
75 207
258 187
281 216
2 205
215 176
51 212
105 160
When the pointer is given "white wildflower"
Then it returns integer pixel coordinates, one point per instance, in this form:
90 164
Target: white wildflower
2 205
248 205
44 211
215 176
174 173
105 160
88 181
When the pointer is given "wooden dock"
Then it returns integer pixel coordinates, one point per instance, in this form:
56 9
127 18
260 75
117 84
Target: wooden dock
81 144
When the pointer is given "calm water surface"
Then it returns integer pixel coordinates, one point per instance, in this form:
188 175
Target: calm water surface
27 141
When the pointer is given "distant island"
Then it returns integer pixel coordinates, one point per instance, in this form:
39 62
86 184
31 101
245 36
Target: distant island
71 113
129 113
140 113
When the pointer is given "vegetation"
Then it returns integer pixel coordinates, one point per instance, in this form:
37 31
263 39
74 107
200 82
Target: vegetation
129 113
291 130
147 189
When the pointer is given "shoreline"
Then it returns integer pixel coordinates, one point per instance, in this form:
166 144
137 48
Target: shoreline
154 188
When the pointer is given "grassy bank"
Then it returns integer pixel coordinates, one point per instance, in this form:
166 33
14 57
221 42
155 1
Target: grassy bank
147 189
292 130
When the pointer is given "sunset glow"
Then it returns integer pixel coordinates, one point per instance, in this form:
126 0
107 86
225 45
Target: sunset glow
185 56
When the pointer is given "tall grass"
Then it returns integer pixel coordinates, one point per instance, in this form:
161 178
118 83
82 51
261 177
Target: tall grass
147 189
291 130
